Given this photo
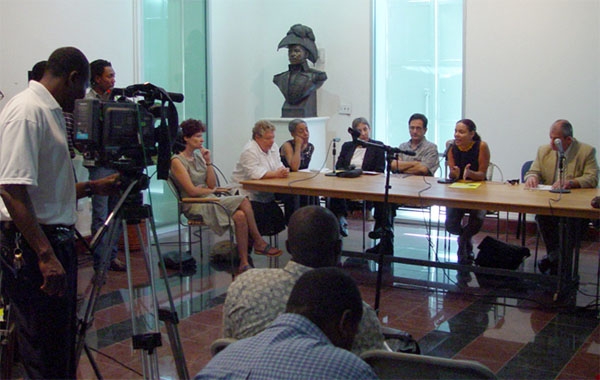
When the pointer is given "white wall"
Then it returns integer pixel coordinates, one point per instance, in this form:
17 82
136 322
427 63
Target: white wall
243 59
527 64
30 30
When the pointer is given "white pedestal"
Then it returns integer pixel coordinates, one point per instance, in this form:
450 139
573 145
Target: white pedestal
317 127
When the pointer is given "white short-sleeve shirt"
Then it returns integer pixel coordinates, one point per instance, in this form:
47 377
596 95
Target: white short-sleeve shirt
34 152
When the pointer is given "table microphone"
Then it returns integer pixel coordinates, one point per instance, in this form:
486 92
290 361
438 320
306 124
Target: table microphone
445 157
334 172
561 168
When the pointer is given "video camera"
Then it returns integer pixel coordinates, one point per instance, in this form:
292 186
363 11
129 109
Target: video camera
122 133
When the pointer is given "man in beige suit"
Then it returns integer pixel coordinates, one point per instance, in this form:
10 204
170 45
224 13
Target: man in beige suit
581 171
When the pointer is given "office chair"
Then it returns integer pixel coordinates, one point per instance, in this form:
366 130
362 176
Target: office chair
490 213
521 220
397 365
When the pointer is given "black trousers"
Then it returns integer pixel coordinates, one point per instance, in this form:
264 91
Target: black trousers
45 325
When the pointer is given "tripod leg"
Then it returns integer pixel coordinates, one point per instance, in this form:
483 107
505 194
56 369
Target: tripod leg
169 317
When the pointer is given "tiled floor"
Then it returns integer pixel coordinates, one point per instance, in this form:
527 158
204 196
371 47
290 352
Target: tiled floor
513 327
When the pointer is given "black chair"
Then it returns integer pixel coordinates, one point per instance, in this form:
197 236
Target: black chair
397 365
521 220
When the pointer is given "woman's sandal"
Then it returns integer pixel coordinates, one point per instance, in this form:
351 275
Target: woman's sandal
269 251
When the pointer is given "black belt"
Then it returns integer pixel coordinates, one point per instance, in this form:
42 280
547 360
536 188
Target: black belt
9 226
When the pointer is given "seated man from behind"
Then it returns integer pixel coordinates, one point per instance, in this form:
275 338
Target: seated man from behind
309 341
581 171
258 296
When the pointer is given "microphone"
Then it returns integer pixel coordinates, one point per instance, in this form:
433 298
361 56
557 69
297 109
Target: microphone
446 179
405 152
445 156
354 133
336 139
558 144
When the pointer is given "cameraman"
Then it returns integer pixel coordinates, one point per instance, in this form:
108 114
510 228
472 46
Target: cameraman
103 81
37 214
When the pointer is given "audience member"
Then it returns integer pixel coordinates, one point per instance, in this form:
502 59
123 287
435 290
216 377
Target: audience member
468 159
309 341
194 175
357 156
260 160
581 169
37 213
295 155
259 295
103 81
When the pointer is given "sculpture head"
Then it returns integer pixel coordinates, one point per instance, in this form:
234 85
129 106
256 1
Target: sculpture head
303 36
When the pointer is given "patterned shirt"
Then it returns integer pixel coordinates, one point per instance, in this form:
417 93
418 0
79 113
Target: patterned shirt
292 347
258 296
426 153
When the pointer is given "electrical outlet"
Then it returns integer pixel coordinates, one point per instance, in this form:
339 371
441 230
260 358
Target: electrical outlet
345 109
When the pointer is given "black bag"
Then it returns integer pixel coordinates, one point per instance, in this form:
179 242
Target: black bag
269 218
175 261
494 253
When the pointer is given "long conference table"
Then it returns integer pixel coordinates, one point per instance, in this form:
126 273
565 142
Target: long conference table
426 191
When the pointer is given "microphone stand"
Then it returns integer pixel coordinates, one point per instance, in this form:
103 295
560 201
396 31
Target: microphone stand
446 179
334 172
561 175
386 243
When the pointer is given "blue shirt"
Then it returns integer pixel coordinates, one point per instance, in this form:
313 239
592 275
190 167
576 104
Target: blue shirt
292 347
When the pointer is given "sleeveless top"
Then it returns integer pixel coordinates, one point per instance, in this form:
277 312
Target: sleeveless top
305 155
461 159
216 217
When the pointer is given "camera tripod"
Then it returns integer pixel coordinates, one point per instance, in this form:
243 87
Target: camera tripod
131 210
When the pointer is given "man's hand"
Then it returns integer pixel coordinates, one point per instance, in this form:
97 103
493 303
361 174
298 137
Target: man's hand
55 279
531 182
282 172
110 185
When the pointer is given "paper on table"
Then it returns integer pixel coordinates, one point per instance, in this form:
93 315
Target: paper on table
465 185
324 170
544 187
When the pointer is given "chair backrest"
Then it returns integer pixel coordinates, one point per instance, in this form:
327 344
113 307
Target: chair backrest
492 168
524 169
174 189
397 365
219 345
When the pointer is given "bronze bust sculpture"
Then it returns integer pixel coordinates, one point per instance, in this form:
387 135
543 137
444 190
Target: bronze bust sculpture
300 83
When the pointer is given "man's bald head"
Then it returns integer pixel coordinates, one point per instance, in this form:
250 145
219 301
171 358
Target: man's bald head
314 237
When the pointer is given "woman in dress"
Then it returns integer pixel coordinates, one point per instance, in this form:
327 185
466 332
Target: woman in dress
194 176
468 159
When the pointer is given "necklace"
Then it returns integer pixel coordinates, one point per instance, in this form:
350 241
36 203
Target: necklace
468 148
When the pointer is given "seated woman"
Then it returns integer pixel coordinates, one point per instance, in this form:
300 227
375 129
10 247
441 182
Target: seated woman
260 160
468 159
295 155
194 175
370 159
